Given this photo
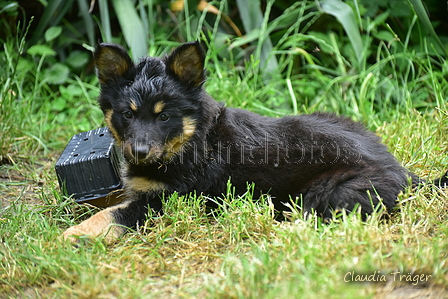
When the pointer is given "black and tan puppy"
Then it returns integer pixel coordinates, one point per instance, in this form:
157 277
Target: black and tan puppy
176 138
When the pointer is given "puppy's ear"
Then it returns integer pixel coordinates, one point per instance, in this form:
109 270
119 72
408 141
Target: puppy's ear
111 61
186 63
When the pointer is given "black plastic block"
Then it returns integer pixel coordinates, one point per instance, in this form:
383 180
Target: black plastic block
89 167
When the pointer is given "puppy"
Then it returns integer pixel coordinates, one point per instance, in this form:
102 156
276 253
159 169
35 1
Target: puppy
175 138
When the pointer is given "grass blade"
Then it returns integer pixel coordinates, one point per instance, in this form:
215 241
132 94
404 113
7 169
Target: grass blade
344 14
105 21
253 20
132 27
423 16
88 20
48 15
250 14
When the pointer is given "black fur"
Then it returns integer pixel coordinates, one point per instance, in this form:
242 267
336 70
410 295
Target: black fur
176 138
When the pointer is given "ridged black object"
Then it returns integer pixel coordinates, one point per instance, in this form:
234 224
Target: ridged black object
89 166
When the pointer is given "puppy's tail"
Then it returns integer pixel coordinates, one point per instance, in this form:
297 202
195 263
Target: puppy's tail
442 181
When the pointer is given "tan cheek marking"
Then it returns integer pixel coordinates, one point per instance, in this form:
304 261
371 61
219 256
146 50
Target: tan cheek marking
127 149
158 107
133 105
144 185
176 143
99 225
189 127
156 151
108 118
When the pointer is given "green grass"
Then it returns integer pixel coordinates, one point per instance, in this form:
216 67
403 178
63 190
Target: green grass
239 251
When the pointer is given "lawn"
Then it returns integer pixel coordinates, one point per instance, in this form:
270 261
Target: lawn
238 250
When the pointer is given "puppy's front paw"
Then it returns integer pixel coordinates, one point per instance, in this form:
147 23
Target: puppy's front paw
99 225
74 232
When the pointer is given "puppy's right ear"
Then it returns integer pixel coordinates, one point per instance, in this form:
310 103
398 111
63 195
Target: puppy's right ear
112 61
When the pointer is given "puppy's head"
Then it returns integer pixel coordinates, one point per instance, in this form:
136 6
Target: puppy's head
152 108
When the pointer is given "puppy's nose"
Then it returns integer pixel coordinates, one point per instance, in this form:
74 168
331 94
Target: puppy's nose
141 151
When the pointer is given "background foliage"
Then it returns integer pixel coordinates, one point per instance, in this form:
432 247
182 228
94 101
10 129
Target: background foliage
298 56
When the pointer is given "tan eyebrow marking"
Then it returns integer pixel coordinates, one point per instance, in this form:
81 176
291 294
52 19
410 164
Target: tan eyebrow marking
158 107
133 105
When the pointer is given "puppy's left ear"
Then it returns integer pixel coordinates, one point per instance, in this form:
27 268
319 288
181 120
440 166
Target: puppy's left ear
186 63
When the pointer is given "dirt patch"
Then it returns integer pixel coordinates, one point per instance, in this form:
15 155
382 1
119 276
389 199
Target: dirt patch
23 183
411 292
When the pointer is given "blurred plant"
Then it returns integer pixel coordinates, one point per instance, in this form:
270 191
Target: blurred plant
243 27
314 52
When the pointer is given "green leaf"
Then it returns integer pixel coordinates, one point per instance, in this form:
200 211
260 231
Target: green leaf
320 38
379 20
384 35
52 8
56 74
345 15
78 59
52 33
285 20
132 27
11 7
41 50
25 65
90 26
71 91
250 14
105 21
59 104
253 20
423 17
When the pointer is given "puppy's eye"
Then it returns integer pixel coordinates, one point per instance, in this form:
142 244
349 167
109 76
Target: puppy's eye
163 117
127 114
129 83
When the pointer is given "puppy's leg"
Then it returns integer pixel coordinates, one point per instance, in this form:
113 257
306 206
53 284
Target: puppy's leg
349 190
113 222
